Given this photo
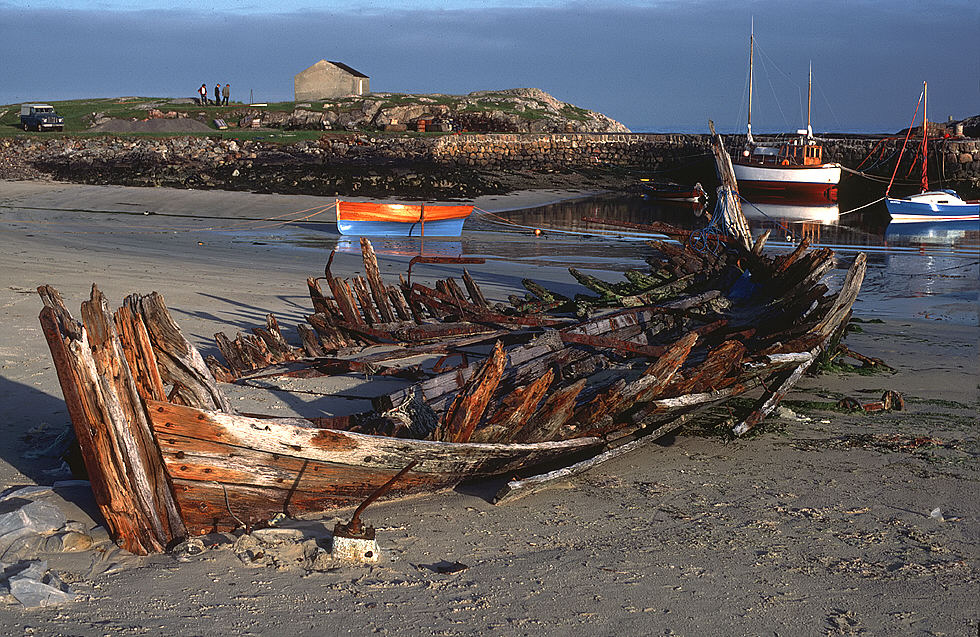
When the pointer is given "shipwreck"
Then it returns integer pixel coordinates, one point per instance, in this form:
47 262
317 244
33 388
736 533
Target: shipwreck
539 387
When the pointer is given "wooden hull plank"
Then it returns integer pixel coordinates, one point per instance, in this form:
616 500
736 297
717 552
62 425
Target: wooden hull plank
286 437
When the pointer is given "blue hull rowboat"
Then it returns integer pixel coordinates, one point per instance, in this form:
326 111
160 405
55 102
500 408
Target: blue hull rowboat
400 220
362 228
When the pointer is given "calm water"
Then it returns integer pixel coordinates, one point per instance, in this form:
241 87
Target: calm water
917 270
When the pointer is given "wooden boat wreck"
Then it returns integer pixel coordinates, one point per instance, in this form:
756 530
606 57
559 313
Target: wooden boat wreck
544 383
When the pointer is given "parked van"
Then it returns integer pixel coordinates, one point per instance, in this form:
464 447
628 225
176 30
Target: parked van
40 117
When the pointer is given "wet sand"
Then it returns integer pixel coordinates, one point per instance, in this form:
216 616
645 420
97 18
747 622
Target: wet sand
819 524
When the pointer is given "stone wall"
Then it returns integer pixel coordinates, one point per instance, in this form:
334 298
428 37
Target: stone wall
957 159
472 163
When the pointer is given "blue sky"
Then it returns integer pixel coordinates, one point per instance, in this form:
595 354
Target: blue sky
667 65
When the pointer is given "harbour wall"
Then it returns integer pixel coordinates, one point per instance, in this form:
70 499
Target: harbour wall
448 165
954 160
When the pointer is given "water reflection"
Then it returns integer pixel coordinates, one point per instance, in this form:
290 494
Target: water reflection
836 225
958 234
915 270
792 213
402 247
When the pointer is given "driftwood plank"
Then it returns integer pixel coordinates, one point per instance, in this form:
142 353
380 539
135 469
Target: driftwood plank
77 375
518 488
363 297
311 344
771 399
398 303
317 297
331 337
604 413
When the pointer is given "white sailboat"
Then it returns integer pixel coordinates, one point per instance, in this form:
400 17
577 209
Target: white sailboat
928 205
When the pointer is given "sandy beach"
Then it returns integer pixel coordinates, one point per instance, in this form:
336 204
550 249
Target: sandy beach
822 522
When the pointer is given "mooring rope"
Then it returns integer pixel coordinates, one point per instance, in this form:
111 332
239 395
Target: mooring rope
246 224
883 180
871 203
495 218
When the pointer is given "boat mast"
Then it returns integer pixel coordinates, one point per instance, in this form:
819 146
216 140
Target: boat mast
809 92
925 138
749 139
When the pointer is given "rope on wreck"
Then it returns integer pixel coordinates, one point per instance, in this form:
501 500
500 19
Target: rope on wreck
707 240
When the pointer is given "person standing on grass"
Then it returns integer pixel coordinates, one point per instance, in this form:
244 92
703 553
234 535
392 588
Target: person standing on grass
226 93
217 93
203 92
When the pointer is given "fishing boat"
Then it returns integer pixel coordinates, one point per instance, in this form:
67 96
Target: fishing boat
674 192
928 205
791 172
400 220
464 388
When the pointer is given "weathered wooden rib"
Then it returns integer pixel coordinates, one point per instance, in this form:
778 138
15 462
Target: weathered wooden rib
107 412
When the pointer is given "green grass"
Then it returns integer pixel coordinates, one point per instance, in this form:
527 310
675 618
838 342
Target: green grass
78 113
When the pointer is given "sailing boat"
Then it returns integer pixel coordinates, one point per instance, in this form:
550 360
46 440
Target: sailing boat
792 172
928 205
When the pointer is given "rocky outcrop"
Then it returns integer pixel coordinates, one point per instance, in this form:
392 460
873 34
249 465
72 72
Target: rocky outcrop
521 110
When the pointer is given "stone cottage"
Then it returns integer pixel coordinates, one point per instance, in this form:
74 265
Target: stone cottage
327 80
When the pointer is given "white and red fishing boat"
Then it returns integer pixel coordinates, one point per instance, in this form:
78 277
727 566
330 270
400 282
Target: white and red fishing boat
793 171
928 205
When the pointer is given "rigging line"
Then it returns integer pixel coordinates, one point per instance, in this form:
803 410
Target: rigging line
776 100
773 88
776 66
745 87
909 133
829 107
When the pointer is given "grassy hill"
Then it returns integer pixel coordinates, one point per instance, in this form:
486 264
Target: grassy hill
512 110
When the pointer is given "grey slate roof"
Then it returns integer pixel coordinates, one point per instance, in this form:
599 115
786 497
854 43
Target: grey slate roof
347 68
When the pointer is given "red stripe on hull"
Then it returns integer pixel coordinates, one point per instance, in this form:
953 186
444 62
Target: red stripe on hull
784 191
